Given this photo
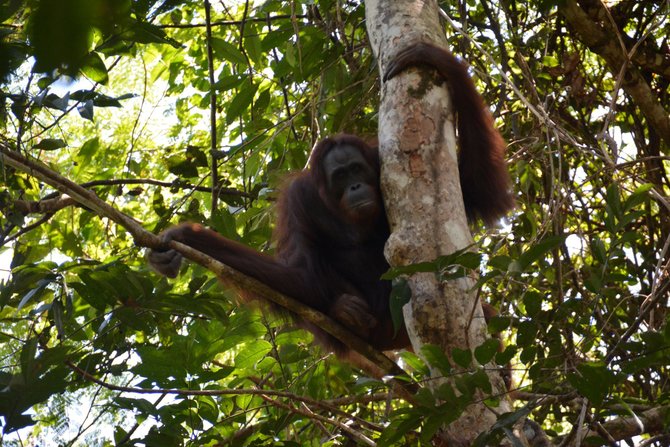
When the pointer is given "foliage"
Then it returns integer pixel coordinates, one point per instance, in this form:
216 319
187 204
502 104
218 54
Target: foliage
116 95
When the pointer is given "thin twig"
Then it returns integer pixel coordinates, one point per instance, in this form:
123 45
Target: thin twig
212 106
231 22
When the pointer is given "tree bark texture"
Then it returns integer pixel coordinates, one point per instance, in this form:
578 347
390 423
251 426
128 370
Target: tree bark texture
422 194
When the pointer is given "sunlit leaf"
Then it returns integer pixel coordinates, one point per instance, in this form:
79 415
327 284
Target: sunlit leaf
94 68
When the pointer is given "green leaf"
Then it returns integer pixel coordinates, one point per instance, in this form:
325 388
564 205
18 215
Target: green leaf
229 82
28 354
208 408
639 196
526 333
593 381
432 424
50 144
500 262
447 393
415 362
290 55
85 110
94 68
100 100
401 294
503 358
251 353
436 358
141 405
162 364
419 267
252 45
241 102
182 167
400 427
15 421
88 150
536 253
447 266
532 300
425 398
481 380
58 311
502 427
613 200
462 357
144 32
60 33
228 51
485 352
598 250
36 291
464 258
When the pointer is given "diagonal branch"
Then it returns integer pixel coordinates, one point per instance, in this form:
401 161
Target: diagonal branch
144 238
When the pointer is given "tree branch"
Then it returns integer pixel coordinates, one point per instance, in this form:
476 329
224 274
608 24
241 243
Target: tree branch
648 422
212 105
56 202
143 238
601 43
235 22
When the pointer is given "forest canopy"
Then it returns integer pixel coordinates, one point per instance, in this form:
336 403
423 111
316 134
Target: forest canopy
169 111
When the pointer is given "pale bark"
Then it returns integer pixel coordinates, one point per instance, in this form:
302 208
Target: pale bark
423 199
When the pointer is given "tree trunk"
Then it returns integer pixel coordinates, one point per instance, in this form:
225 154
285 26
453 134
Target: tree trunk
423 198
